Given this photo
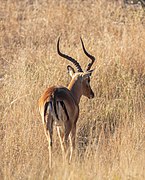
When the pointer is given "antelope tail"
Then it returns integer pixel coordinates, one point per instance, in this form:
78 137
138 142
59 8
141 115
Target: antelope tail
51 107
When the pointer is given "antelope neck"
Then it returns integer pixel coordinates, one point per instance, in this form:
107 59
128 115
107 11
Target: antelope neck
75 87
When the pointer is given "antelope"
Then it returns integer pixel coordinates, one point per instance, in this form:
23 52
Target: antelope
59 105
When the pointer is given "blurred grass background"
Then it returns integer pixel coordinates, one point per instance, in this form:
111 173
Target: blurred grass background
111 127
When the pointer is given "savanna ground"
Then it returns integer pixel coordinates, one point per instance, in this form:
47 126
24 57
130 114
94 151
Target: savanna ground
111 127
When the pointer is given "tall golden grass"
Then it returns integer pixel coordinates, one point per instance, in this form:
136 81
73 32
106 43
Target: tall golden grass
111 128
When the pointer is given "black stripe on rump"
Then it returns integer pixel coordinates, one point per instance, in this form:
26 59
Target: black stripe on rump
55 108
45 108
64 108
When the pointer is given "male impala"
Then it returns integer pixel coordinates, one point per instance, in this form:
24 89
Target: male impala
60 105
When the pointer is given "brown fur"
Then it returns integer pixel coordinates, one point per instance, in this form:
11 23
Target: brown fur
46 96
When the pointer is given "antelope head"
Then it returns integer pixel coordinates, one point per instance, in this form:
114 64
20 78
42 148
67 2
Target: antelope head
80 83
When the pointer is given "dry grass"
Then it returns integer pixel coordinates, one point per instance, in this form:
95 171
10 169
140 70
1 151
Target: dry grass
111 127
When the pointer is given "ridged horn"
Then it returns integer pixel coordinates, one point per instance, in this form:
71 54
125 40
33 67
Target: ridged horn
77 65
89 55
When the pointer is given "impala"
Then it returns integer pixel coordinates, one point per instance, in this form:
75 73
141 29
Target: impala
59 105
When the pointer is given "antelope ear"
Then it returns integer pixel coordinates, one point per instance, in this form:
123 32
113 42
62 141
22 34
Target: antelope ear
71 70
88 73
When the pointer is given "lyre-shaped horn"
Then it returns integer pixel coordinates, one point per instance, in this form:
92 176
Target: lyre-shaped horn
77 65
89 55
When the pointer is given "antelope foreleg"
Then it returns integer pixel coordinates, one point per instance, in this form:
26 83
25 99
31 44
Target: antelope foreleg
67 131
72 142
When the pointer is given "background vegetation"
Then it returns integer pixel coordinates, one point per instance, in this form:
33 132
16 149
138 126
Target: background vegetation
111 127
